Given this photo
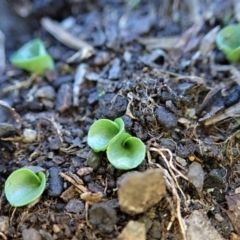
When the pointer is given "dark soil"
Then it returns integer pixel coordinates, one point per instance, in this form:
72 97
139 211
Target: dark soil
168 95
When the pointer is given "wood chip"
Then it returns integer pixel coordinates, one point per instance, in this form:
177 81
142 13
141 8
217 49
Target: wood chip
92 198
74 179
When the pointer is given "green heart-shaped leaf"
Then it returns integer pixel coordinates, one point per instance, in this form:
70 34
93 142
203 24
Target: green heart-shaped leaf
228 40
102 132
24 186
126 152
33 57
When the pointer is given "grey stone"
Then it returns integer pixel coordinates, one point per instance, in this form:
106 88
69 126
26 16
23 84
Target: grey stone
138 192
55 182
196 175
31 233
166 118
75 206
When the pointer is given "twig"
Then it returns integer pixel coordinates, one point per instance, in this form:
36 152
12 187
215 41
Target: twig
3 236
25 84
67 39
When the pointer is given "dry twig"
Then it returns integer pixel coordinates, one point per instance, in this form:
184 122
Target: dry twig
54 28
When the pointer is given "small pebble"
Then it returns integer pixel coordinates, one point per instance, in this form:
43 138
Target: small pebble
54 143
84 171
55 182
46 92
64 97
133 230
31 233
29 135
115 70
56 228
4 223
216 179
75 206
94 160
137 192
166 118
103 217
219 218
196 175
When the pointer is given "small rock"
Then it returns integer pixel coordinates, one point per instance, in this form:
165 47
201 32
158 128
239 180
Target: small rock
46 92
56 228
127 56
45 235
7 130
115 70
49 104
103 217
4 223
58 159
84 171
94 160
62 80
29 135
155 230
101 58
154 59
219 218
166 118
111 106
196 175
31 233
64 97
94 187
216 179
133 230
68 22
54 143
181 161
200 228
140 191
55 182
167 143
75 206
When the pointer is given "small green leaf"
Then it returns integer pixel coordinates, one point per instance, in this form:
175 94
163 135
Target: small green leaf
23 186
102 132
126 152
228 40
33 57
